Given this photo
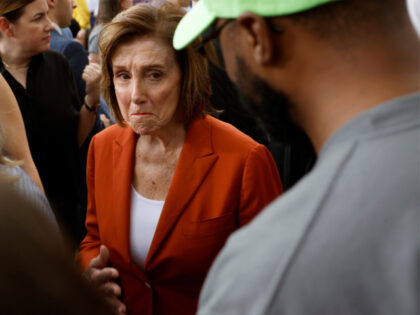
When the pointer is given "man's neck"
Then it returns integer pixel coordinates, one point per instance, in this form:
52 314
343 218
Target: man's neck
326 116
340 87
327 109
54 22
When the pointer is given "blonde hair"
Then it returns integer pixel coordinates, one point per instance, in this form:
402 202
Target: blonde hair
145 19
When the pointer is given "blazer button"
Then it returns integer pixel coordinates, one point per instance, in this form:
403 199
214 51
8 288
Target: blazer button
147 284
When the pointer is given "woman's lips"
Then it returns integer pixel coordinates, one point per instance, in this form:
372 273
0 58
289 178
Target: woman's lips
140 114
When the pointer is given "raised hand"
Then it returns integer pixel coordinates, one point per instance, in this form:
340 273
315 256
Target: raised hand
92 76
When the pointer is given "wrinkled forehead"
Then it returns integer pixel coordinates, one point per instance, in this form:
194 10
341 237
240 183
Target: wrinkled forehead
146 49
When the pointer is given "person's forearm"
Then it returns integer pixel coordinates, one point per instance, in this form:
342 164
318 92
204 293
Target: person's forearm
87 118
86 123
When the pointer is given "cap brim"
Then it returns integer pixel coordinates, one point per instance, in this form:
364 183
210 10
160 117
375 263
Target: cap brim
192 25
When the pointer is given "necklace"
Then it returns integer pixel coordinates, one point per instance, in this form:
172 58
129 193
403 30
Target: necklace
9 67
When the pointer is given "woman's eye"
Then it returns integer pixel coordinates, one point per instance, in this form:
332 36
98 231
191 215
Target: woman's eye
123 76
155 75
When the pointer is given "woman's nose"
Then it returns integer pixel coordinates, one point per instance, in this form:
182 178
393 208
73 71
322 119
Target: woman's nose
138 92
49 26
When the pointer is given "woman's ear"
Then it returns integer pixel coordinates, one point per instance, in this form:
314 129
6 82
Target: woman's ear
258 37
6 26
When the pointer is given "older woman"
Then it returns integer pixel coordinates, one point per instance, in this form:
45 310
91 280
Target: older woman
56 123
170 183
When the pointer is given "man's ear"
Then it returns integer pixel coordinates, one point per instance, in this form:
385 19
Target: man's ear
258 37
51 4
6 26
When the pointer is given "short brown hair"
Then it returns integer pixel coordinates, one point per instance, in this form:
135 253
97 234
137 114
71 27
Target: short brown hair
342 22
145 19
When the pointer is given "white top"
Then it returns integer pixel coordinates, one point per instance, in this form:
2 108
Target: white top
145 214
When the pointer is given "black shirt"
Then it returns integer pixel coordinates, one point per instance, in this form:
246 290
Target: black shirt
50 109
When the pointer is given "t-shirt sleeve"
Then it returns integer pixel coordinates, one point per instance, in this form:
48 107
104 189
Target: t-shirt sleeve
93 39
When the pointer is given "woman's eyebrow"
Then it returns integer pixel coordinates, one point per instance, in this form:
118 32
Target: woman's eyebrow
143 67
39 14
153 66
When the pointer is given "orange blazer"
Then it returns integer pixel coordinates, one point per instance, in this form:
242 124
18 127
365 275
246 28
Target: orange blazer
222 180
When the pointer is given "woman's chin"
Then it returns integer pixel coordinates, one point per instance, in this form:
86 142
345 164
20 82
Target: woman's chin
42 49
142 130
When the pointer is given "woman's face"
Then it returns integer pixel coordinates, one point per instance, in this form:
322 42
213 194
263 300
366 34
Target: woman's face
31 32
147 82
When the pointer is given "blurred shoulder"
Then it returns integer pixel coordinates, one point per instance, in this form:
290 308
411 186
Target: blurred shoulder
51 56
72 46
53 62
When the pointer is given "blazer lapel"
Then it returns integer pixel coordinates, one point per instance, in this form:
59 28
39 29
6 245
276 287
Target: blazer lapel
195 161
123 165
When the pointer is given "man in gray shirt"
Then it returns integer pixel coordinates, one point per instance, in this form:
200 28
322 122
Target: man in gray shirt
345 239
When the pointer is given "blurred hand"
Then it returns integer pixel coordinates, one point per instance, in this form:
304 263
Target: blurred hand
101 277
92 76
105 120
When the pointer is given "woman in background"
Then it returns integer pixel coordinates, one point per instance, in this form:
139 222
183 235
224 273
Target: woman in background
55 122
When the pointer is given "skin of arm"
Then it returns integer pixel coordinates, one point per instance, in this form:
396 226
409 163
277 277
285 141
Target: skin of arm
15 142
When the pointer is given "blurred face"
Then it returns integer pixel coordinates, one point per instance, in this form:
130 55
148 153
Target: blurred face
147 81
31 32
271 109
64 12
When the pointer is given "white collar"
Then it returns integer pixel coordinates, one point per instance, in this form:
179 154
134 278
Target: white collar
57 28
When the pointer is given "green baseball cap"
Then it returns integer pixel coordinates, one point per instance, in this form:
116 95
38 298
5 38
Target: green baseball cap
205 12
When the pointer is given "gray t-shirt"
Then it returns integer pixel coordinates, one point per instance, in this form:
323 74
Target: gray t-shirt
344 240
93 39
